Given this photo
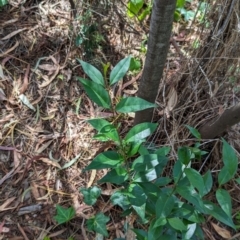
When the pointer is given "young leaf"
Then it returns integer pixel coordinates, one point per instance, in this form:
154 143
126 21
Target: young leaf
108 159
140 131
194 132
110 132
224 200
64 214
135 64
184 155
90 194
118 176
177 224
134 6
119 70
133 104
98 123
97 93
98 224
132 148
196 180
180 3
92 72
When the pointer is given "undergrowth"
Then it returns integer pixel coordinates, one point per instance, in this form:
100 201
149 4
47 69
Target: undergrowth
169 207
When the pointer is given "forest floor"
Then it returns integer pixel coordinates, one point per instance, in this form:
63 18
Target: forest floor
45 141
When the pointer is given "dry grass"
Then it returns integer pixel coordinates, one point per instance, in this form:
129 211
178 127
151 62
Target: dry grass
38 60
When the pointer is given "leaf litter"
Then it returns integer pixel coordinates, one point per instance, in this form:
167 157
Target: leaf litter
51 122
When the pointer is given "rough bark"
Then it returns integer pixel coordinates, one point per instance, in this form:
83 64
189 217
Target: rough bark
158 45
222 123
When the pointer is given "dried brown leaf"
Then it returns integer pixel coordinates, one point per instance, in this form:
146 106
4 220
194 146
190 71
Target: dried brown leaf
13 33
25 80
3 207
221 231
2 95
9 50
50 162
172 99
34 190
92 178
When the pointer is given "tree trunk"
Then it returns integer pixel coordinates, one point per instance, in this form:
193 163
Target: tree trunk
222 123
158 45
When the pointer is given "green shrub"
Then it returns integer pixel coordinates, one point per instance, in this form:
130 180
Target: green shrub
169 207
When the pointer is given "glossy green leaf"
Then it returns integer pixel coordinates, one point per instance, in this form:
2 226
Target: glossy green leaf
180 3
163 151
146 162
218 214
164 205
92 72
98 123
177 224
148 175
184 155
150 188
133 104
120 70
120 198
194 132
118 176
90 194
160 222
109 132
208 182
144 13
108 159
230 158
137 196
191 228
140 211
195 180
224 176
177 171
98 224
135 65
224 200
64 214
140 233
155 232
162 181
143 150
190 195
132 148
134 6
140 131
97 93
